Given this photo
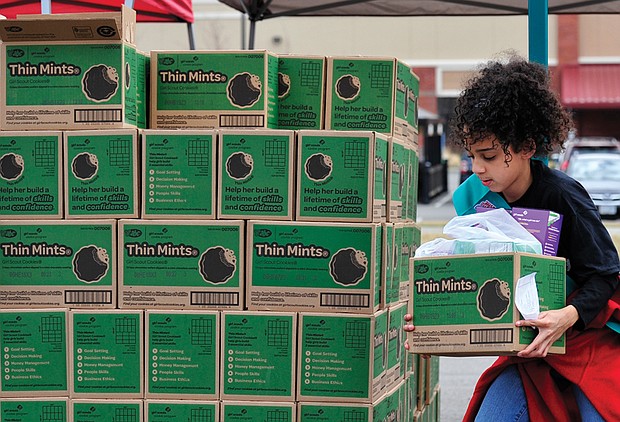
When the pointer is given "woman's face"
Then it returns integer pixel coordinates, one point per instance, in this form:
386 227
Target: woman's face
510 178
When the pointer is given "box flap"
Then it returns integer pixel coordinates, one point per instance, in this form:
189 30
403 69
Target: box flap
107 26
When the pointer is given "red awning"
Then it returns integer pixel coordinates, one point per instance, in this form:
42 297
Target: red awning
146 10
591 86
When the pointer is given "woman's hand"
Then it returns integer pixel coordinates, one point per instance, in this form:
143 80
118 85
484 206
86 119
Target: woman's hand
550 325
408 327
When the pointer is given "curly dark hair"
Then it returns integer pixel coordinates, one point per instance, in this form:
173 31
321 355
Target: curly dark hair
511 100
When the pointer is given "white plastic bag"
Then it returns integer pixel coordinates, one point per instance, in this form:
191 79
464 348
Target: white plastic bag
485 232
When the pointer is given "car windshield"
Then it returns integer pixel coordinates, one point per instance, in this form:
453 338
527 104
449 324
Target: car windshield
595 167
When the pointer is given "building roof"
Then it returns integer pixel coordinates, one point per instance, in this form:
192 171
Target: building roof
591 86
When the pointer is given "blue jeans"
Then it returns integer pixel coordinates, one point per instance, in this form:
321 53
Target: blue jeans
505 401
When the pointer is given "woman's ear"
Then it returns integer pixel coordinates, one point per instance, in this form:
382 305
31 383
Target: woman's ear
527 154
529 149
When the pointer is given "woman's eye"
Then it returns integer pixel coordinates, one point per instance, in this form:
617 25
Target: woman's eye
491 158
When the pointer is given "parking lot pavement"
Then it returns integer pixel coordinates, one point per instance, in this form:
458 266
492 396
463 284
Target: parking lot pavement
457 379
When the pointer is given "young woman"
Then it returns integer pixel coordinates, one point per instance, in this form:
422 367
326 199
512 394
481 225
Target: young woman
506 116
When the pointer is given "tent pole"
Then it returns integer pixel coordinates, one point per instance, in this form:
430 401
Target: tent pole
252 33
242 32
190 36
46 7
538 31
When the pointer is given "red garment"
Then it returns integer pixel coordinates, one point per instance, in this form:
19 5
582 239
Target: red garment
592 361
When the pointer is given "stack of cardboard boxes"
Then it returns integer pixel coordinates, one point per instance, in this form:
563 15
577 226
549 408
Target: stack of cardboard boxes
244 255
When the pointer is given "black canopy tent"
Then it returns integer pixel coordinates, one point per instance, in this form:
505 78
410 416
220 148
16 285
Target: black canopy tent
536 10
257 10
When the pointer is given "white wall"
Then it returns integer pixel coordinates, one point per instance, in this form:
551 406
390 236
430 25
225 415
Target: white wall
418 40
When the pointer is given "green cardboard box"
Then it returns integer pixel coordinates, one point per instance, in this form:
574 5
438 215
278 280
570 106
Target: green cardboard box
301 91
410 212
369 93
106 353
342 357
34 347
58 263
388 264
181 264
258 356
393 284
31 175
465 304
411 108
341 176
211 89
181 410
256 174
396 345
335 412
398 180
70 72
409 238
178 174
411 380
182 354
422 379
28 409
432 378
101 174
102 410
143 62
314 267
391 406
245 411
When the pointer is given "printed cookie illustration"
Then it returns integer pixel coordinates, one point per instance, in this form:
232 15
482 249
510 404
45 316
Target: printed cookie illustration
244 90
318 166
348 266
90 263
284 84
100 82
11 166
85 165
493 299
348 87
217 264
239 165
127 76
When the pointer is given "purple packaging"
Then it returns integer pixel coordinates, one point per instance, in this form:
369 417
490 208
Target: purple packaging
545 225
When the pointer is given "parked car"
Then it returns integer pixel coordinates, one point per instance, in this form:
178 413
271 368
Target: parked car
586 145
599 173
